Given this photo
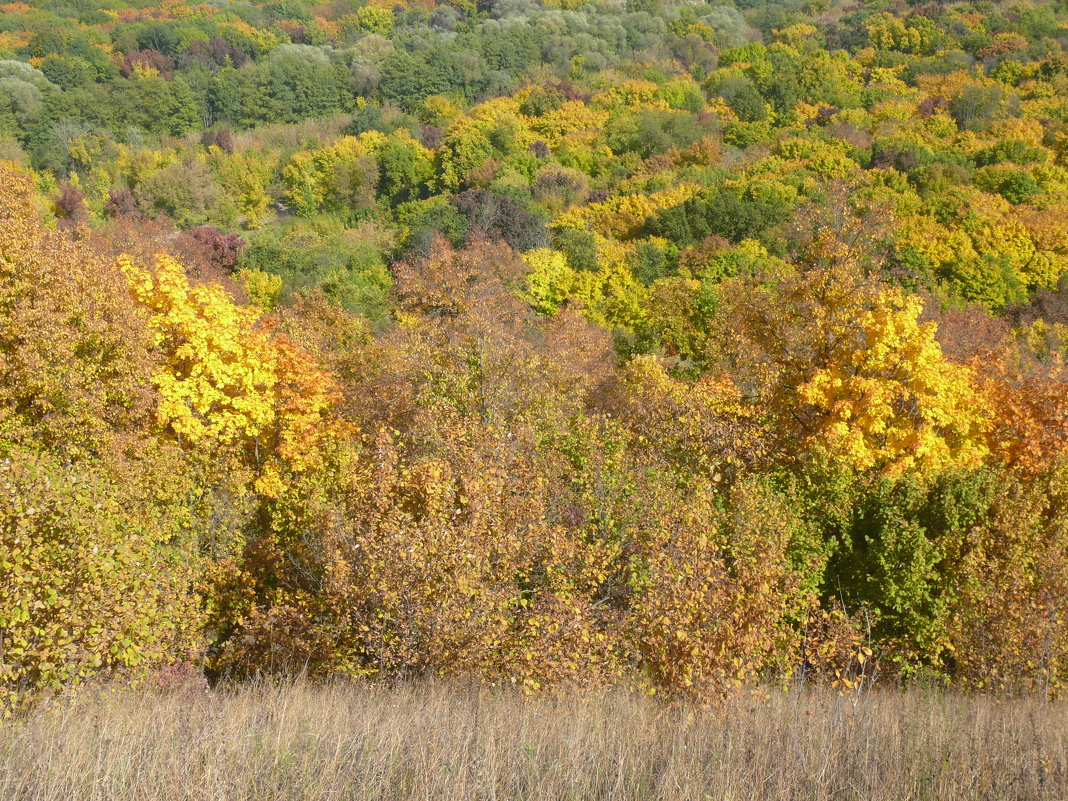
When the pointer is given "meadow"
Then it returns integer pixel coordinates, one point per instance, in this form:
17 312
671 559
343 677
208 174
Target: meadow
298 741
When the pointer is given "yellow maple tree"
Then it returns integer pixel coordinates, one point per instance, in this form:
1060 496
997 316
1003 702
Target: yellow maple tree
847 367
229 380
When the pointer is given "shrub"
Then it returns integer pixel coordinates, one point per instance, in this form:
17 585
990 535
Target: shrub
93 580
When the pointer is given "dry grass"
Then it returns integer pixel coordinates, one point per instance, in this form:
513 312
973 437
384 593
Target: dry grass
433 742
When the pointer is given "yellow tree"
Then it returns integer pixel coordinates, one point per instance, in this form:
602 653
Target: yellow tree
245 177
845 366
218 381
550 281
229 381
893 401
335 177
96 556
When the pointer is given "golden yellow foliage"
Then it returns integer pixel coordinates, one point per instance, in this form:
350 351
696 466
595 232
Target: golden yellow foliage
892 401
621 216
218 382
848 368
228 380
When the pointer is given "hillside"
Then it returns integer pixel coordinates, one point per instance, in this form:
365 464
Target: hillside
682 347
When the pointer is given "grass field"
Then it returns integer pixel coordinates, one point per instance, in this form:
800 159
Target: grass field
301 742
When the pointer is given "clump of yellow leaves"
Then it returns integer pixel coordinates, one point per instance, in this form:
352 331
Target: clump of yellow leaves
849 369
892 401
228 380
218 380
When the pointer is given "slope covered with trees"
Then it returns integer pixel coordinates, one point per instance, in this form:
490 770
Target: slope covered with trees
680 344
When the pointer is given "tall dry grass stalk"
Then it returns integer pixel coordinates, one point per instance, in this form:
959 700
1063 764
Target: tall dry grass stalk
433 741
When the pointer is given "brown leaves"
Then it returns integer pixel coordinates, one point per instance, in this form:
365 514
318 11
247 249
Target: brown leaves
705 428
469 350
716 591
1030 421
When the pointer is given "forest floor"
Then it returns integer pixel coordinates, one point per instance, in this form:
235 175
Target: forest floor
303 742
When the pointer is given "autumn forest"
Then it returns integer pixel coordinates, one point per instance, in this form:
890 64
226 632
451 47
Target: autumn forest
683 346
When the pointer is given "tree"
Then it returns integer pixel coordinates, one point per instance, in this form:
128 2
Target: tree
346 264
70 207
719 212
338 177
187 192
94 581
845 366
404 167
300 81
1026 381
703 428
229 384
75 356
22 90
209 249
459 466
497 215
718 591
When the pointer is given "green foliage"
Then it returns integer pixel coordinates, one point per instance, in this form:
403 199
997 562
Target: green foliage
720 212
186 192
345 263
